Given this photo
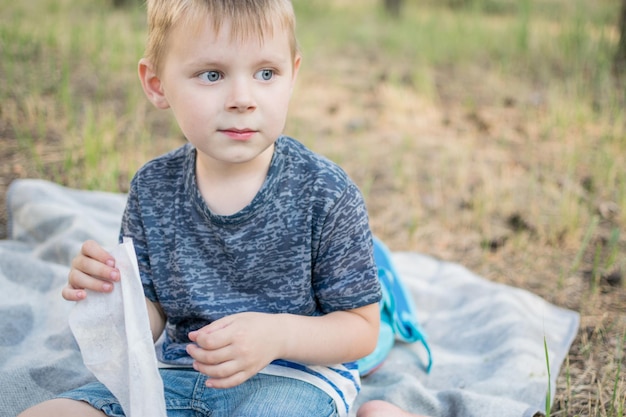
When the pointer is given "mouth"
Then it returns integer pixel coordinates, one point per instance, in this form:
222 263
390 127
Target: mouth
238 134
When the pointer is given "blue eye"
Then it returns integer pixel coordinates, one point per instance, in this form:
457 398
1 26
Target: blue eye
264 75
210 76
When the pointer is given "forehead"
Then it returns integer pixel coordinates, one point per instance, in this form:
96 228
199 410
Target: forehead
230 30
248 20
204 42
243 24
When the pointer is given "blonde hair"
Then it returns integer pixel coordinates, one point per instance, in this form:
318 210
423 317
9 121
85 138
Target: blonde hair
248 19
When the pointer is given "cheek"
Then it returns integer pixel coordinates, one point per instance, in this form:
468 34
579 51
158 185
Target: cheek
191 121
279 102
192 109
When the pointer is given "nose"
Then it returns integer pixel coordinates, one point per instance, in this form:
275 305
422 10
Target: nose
240 97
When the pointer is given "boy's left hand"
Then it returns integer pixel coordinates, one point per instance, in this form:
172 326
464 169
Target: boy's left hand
235 348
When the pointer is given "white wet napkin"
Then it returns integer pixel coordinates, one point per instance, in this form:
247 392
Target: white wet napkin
113 333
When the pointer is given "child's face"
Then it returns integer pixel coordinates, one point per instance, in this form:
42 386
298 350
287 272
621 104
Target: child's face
230 97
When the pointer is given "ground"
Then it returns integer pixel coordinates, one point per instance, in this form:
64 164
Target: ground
451 180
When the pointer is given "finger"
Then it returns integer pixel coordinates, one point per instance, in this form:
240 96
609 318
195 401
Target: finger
92 249
94 268
73 294
78 280
229 382
210 357
220 370
224 369
211 339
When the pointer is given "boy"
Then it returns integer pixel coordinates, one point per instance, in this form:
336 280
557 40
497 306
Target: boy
255 254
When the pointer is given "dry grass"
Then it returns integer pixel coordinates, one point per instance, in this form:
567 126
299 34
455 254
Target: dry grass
495 139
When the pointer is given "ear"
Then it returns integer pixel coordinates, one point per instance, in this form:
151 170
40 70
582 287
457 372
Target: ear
151 84
296 67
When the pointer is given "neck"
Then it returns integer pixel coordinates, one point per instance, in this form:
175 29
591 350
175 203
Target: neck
228 188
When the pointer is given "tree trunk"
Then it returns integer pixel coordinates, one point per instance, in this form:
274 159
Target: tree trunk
393 7
619 62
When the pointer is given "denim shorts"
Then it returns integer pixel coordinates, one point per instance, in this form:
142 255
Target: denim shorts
186 395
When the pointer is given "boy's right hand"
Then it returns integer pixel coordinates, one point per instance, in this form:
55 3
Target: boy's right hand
92 269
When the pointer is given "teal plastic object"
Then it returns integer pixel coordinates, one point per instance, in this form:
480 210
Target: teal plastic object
398 317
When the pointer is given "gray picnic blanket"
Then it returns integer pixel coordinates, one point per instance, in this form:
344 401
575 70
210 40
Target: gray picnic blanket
487 339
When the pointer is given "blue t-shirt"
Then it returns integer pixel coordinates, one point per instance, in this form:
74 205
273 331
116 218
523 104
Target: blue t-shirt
302 246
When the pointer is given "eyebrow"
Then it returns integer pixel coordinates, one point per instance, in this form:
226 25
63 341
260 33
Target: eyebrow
264 61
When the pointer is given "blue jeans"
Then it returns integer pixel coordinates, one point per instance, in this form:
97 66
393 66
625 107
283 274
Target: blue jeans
187 396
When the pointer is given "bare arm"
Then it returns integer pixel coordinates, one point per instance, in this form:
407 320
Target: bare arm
156 317
337 337
233 349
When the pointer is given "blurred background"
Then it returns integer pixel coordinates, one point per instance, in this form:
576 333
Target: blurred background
491 133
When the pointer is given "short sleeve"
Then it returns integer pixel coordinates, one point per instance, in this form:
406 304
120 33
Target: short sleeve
344 273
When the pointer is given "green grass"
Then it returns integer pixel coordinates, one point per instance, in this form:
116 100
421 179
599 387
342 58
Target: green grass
68 73
549 390
89 52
